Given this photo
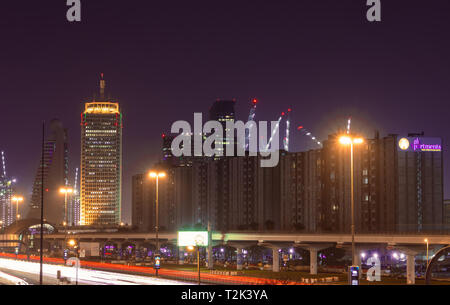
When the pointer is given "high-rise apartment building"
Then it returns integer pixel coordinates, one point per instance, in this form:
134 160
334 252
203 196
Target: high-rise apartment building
7 211
223 112
101 162
55 171
447 214
73 204
395 190
143 201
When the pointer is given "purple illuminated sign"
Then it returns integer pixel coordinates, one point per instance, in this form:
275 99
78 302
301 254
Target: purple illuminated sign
417 144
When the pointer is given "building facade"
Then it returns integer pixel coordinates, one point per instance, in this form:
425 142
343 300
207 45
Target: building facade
447 214
143 201
7 211
51 175
394 190
101 162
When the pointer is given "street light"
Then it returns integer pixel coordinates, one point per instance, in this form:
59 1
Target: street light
73 244
426 240
65 190
17 199
346 140
157 175
191 248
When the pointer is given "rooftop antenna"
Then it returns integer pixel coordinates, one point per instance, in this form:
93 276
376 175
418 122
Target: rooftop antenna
251 117
102 86
3 165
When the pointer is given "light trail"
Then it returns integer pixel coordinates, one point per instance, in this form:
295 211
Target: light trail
86 276
12 279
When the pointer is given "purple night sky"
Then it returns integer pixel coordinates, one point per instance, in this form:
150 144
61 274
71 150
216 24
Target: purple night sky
163 60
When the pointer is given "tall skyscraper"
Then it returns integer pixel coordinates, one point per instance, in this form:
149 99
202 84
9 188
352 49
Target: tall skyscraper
101 162
55 170
223 111
7 211
73 204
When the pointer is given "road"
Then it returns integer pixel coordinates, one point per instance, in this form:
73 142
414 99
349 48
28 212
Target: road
29 272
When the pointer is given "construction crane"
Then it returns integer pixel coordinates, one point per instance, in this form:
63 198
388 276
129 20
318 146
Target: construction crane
286 137
251 117
3 165
277 126
76 179
309 134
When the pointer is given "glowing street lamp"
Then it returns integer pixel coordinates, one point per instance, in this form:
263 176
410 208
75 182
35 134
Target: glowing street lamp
17 199
350 140
426 240
191 248
157 175
73 244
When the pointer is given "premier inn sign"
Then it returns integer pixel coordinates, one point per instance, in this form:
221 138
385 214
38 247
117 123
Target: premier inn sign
419 144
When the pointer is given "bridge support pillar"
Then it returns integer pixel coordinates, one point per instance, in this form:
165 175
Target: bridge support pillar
209 257
180 257
239 258
313 261
411 253
313 249
410 269
275 260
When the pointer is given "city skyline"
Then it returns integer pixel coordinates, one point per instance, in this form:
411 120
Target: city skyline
325 80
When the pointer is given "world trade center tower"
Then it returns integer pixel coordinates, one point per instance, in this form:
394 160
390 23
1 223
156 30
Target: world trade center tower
101 162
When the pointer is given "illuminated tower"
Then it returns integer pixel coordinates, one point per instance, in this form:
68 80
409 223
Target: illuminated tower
101 162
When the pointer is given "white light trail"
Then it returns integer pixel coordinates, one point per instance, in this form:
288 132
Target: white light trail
86 276
12 279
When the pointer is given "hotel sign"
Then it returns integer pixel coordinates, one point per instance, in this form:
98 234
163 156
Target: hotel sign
419 144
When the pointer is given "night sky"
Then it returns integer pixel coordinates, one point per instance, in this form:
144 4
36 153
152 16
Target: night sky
164 60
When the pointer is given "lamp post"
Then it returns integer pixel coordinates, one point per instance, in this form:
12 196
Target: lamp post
426 240
346 140
65 190
157 175
74 244
191 248
17 199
